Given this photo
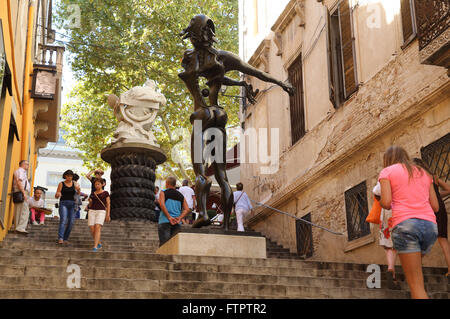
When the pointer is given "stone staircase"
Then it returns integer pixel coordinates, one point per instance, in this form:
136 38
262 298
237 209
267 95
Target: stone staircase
128 267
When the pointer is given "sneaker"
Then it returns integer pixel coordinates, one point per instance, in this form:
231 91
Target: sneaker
393 284
22 232
35 222
41 223
94 250
99 246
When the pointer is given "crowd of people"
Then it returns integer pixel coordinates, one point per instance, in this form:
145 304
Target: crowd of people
412 213
69 206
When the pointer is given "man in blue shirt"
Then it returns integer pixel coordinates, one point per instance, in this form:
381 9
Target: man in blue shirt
173 208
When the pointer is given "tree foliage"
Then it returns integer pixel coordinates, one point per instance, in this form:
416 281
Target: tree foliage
120 44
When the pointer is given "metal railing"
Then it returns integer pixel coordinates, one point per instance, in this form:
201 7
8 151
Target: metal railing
433 18
297 218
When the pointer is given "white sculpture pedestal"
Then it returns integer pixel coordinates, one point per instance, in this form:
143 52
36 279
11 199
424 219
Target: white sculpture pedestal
214 244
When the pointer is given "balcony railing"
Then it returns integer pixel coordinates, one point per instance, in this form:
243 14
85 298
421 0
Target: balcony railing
50 55
433 23
433 18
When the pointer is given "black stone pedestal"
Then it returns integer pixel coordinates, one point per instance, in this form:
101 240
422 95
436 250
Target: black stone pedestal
133 179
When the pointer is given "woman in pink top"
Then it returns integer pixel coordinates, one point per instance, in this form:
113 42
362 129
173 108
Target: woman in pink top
408 191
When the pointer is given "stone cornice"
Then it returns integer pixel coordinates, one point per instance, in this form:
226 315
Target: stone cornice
261 55
293 8
417 104
59 154
435 45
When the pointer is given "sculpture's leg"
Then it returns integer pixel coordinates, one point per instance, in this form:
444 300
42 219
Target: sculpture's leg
220 174
202 184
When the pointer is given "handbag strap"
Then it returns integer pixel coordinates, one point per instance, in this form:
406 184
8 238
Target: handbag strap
234 204
100 200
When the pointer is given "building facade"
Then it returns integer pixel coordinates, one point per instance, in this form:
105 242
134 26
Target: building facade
367 75
30 84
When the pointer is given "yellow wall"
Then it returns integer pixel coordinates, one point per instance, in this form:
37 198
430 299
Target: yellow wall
17 20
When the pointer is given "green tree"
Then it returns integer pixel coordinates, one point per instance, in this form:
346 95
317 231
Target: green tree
120 44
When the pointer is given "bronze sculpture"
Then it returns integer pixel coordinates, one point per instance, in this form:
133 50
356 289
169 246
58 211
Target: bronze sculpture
206 61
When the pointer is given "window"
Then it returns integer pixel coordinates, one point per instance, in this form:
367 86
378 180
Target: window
409 28
436 155
357 210
54 178
304 237
342 76
297 108
84 182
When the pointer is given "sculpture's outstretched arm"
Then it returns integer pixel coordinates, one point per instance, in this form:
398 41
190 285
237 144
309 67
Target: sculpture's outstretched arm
232 62
249 93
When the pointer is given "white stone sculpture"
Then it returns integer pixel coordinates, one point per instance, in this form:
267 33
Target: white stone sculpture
136 111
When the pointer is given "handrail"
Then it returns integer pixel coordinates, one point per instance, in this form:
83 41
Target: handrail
305 221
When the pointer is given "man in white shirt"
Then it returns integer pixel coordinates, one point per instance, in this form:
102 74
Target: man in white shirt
21 210
242 206
189 195
36 202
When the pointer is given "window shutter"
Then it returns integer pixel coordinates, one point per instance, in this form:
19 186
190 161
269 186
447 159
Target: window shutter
332 89
348 49
407 21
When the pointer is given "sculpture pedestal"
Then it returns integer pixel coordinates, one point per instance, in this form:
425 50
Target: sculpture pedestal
196 243
133 179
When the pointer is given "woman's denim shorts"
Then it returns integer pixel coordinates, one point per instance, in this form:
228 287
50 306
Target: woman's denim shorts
414 235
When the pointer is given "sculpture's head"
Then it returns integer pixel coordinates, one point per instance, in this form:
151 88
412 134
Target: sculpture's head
201 31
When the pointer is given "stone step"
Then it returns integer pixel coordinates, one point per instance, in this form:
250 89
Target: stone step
90 260
69 252
96 294
83 241
86 247
90 272
300 288
80 235
106 230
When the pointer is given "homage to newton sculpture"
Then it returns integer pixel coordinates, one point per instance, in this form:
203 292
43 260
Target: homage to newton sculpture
134 153
206 61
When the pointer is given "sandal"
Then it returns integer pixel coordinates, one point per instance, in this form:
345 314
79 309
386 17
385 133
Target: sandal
392 282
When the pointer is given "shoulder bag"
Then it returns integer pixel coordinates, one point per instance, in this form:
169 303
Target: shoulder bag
18 196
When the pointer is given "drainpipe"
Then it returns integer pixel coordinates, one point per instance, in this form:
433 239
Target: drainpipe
28 103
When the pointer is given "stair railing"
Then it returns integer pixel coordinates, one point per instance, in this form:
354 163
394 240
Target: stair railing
297 218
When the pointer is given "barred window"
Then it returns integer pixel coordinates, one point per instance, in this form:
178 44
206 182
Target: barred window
357 210
436 155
